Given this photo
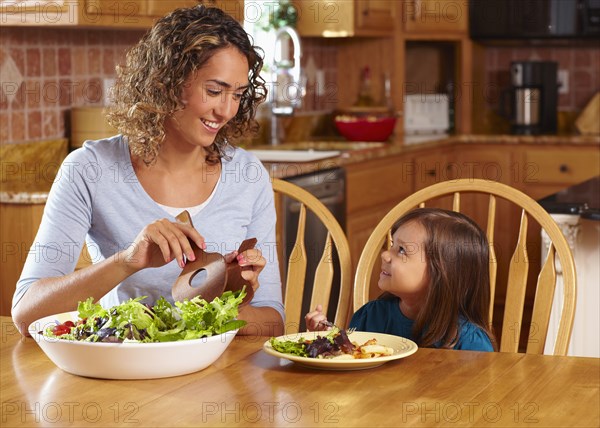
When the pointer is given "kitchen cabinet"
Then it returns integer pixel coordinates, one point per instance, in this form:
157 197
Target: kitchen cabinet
343 18
359 227
430 167
19 226
159 8
483 162
373 188
435 16
126 14
546 170
375 16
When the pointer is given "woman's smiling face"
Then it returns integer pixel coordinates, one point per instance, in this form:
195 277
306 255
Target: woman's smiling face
211 97
404 265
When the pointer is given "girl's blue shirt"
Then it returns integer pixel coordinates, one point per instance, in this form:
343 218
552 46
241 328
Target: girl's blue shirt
385 316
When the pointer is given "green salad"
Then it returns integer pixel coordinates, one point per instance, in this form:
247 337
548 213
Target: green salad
134 321
334 343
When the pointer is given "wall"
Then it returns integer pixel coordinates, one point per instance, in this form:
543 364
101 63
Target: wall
582 63
46 72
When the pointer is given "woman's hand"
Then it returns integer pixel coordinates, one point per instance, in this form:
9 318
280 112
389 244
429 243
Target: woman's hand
160 242
252 263
316 320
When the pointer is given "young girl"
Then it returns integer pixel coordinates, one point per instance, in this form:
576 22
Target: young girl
435 283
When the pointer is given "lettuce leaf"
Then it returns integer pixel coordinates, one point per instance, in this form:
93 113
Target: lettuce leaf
164 322
294 347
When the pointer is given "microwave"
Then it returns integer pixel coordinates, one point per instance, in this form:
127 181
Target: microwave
534 19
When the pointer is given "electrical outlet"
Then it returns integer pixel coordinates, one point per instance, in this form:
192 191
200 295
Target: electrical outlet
563 81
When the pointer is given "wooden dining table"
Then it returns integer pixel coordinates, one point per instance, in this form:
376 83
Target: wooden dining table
248 387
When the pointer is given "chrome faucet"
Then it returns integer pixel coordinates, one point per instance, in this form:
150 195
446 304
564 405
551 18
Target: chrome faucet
288 89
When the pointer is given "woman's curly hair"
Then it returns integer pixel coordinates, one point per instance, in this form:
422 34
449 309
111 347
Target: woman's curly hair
149 86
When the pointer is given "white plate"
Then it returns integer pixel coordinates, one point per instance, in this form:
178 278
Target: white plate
294 155
128 360
402 348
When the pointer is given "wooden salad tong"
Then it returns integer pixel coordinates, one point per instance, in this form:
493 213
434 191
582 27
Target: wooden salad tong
219 275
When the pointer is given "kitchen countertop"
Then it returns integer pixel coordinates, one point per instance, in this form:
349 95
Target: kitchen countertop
31 193
29 169
410 144
582 199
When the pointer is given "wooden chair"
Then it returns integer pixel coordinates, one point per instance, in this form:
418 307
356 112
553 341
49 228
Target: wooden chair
324 274
518 271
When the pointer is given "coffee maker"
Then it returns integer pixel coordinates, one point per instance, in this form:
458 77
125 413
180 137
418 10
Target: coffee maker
532 98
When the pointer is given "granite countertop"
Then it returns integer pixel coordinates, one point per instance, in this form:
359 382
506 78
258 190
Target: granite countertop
29 169
582 199
410 144
17 190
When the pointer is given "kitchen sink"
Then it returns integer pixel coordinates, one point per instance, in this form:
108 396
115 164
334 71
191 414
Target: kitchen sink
307 151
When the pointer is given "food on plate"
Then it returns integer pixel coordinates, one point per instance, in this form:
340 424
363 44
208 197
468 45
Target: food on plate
133 321
334 345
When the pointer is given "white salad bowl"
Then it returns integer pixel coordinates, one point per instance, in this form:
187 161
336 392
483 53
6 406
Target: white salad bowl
128 360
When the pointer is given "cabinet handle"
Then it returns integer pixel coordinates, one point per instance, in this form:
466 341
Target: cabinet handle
563 168
430 172
416 6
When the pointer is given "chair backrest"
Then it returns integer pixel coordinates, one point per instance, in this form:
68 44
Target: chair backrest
517 273
324 273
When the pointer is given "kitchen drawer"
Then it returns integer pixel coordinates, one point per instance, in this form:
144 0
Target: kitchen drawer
378 182
561 165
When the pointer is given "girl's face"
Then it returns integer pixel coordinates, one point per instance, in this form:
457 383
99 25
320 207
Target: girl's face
212 97
404 265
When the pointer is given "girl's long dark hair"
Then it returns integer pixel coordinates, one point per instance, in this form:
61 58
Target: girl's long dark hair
457 253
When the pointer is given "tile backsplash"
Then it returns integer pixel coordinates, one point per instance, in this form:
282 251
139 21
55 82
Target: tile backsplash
581 62
51 71
46 72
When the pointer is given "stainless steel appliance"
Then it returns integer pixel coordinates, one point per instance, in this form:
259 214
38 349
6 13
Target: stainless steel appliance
531 102
539 19
329 186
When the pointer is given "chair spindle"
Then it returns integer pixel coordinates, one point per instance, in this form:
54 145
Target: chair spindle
542 306
296 269
491 224
515 292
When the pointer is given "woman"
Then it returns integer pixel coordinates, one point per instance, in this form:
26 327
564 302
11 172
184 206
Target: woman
190 84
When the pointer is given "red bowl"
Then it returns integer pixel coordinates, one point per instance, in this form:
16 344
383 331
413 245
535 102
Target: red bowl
366 129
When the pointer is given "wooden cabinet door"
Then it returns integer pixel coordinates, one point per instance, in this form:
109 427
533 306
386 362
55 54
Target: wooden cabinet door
19 226
344 18
435 16
159 8
358 229
432 167
546 170
379 182
81 13
375 16
487 163
117 12
39 13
